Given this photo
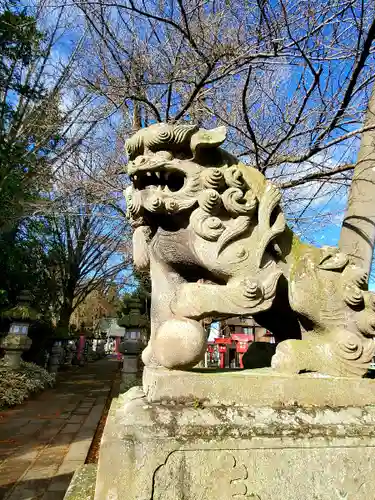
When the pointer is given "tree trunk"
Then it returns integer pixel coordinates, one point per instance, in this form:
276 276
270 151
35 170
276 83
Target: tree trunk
137 120
65 314
358 229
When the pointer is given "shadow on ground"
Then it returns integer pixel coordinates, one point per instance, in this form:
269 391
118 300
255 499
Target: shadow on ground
37 488
43 441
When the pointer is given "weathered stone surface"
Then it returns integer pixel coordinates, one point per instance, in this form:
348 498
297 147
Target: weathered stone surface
55 358
269 474
130 371
256 388
15 345
212 232
179 452
82 486
130 364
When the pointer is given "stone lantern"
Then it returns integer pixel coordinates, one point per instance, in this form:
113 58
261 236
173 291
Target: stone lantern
17 341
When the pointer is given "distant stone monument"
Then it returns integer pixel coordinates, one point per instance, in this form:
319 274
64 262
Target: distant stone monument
303 428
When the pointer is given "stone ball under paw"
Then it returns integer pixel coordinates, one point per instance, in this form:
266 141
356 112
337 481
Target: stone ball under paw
179 344
147 355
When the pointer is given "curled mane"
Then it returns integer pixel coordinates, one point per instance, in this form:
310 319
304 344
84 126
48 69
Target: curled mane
160 136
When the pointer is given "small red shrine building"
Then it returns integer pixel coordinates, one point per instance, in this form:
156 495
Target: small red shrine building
236 336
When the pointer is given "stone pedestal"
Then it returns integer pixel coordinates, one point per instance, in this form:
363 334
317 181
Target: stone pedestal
14 346
261 387
204 451
130 370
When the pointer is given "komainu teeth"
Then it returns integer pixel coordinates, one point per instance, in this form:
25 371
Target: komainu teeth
159 188
135 177
166 189
157 174
148 174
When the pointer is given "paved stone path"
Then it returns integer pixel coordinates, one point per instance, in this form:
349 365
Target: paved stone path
44 440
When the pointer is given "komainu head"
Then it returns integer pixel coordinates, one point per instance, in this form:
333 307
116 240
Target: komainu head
169 165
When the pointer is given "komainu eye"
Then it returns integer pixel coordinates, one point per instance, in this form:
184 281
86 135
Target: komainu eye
140 160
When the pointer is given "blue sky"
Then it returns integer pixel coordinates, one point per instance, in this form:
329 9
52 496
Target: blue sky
321 221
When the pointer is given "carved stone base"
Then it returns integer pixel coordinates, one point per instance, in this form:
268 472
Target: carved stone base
153 451
258 387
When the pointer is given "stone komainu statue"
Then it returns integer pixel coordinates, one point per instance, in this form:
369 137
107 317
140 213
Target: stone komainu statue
213 235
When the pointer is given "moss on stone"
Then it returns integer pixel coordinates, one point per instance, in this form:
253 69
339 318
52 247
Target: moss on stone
82 486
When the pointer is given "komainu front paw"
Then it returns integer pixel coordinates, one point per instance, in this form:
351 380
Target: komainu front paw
181 307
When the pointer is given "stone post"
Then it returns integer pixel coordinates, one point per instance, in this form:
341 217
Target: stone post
91 354
63 352
14 346
70 349
101 348
54 359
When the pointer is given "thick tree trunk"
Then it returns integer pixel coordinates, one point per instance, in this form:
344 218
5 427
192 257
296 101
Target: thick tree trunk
358 230
65 314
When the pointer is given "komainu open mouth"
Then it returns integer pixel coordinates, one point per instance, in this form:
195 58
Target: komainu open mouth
162 180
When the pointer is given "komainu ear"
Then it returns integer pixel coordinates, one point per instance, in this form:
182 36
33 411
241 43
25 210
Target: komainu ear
207 139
